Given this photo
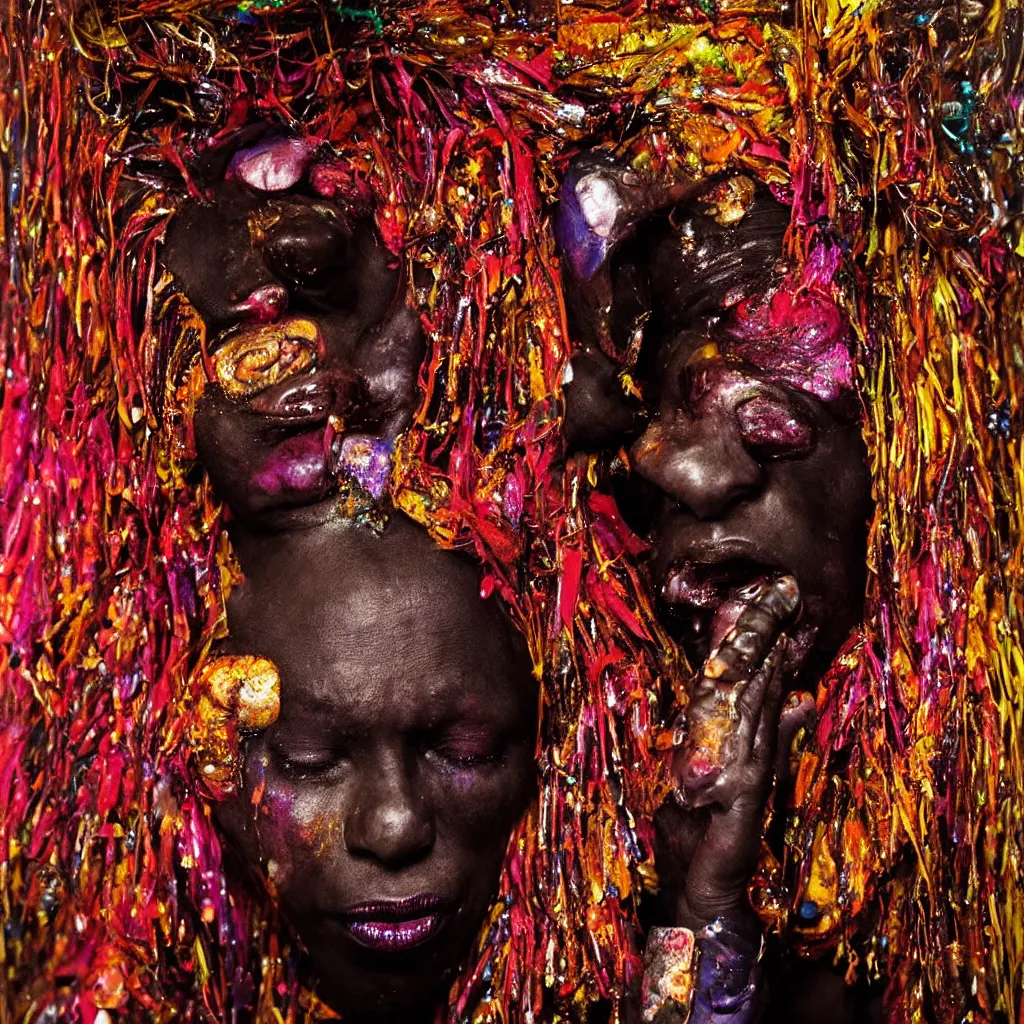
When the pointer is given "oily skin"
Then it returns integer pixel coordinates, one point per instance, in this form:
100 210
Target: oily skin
402 757
735 476
716 486
243 255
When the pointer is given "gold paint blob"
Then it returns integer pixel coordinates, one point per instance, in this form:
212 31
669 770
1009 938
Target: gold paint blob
235 693
259 355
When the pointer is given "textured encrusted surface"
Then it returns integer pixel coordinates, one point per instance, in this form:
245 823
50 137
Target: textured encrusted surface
893 128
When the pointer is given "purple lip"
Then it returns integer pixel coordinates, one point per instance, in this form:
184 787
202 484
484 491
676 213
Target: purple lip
390 926
311 397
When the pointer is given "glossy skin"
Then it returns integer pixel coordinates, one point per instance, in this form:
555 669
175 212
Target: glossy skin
245 255
736 476
400 763
402 757
735 473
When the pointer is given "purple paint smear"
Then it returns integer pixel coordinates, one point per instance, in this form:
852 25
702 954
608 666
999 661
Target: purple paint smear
366 459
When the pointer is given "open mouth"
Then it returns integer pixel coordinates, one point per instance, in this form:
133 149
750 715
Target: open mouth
394 926
692 593
696 601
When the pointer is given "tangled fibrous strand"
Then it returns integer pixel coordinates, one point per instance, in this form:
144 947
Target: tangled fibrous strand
893 129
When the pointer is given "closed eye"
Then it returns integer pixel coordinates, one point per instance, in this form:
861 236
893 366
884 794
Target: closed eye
465 747
300 766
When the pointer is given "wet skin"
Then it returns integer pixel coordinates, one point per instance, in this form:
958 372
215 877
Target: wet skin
734 474
252 253
400 763
403 754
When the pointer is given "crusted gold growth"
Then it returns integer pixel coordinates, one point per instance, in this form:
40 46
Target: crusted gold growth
258 356
236 693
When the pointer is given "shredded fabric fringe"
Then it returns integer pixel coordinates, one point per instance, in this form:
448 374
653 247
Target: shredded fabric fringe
893 128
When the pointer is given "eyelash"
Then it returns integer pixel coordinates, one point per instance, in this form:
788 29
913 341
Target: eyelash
453 753
299 771
465 762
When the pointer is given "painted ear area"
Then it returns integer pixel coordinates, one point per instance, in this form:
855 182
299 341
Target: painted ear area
601 202
233 695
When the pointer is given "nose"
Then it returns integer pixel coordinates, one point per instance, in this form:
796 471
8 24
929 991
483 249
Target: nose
389 820
699 461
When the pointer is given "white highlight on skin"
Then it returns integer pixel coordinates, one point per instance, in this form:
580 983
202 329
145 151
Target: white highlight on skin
599 203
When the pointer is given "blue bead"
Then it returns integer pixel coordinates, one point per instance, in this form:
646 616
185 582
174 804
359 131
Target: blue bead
809 910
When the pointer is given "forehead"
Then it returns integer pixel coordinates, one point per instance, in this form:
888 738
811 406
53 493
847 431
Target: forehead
369 642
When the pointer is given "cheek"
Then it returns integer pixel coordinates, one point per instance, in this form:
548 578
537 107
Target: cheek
833 487
297 834
223 444
479 811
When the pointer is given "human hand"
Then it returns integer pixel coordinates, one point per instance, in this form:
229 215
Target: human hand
726 760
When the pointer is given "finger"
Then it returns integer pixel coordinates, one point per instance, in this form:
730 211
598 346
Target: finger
755 631
713 770
769 676
758 697
798 713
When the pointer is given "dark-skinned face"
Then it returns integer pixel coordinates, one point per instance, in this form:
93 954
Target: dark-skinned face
399 765
271 257
738 469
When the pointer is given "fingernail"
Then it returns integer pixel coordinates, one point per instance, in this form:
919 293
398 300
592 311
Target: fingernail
746 643
789 591
750 591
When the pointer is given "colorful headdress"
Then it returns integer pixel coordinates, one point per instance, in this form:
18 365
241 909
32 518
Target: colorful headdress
894 133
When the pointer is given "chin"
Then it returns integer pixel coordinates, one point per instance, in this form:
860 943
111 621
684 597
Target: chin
412 996
400 985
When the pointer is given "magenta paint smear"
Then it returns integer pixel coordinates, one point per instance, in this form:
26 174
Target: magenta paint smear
797 333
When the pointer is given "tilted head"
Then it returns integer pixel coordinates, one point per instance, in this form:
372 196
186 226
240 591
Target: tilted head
747 455
381 802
